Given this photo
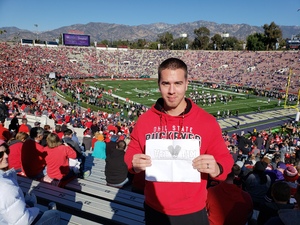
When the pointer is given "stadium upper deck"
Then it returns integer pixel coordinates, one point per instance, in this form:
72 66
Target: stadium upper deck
261 70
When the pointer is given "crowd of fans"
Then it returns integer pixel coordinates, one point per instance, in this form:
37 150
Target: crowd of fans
267 165
24 73
261 70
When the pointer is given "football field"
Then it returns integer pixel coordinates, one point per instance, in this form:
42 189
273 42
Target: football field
146 92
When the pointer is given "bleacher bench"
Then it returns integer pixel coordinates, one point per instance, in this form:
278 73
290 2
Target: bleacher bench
120 196
81 205
69 219
90 162
97 168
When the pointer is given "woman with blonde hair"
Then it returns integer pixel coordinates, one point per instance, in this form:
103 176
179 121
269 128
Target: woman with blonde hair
57 159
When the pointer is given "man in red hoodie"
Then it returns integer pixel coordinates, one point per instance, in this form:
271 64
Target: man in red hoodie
175 117
33 155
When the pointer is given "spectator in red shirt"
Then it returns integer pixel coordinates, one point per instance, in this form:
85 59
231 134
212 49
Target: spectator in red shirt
24 126
33 154
57 158
5 135
88 123
58 131
94 139
228 204
15 146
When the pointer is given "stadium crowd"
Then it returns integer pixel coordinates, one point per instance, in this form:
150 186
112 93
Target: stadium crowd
263 160
24 70
261 70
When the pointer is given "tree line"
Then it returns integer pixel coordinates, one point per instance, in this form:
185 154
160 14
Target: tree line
270 39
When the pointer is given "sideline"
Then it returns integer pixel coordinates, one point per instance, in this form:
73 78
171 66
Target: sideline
255 117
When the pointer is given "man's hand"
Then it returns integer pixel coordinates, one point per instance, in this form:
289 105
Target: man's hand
206 164
140 162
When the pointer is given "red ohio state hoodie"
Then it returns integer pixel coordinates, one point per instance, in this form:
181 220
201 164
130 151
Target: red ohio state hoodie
179 198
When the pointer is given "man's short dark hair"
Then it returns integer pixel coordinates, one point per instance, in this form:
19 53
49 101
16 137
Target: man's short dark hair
68 132
173 64
3 112
121 145
36 131
281 191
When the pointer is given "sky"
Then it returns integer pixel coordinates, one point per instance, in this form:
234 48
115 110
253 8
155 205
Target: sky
42 15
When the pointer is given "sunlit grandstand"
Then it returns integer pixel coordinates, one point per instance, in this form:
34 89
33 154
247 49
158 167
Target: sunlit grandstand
259 70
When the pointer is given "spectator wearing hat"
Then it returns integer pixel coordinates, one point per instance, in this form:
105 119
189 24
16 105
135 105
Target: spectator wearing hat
112 143
257 184
116 171
281 195
120 136
280 170
277 173
240 171
291 176
37 124
235 206
268 160
99 148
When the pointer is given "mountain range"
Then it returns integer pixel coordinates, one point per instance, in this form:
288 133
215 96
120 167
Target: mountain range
108 31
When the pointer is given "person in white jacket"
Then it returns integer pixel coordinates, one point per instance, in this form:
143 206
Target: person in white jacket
13 207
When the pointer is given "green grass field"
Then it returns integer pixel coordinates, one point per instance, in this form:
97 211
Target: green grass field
146 92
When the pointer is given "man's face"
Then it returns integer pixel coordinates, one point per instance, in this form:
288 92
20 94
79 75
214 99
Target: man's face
40 137
173 86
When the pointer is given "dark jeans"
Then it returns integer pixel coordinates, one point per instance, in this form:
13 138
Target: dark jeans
82 164
153 217
49 217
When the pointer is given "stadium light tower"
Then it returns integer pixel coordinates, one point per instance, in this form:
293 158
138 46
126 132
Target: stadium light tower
37 33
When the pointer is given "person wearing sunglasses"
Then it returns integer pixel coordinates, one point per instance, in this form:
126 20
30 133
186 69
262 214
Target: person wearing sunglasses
13 206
